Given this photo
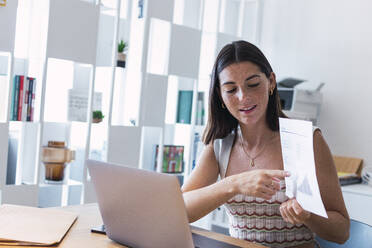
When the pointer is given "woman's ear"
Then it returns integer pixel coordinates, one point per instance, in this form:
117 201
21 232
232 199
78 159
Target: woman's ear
272 80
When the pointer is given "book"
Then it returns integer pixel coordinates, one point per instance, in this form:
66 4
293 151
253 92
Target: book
200 109
197 149
172 159
26 84
184 106
20 97
29 99
15 99
33 93
12 102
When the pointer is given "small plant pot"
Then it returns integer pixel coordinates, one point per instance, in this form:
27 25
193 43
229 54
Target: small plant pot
54 171
121 60
96 120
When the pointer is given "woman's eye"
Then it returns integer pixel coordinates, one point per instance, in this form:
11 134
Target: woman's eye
230 91
253 85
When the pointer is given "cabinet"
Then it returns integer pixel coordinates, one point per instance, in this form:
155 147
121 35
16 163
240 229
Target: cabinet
172 47
358 201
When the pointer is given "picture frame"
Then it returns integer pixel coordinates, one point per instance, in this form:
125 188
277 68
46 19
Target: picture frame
172 158
2 3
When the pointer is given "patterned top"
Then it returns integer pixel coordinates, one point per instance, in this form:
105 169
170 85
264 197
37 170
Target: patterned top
256 219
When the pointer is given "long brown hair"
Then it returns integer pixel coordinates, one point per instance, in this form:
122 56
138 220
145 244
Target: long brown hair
220 121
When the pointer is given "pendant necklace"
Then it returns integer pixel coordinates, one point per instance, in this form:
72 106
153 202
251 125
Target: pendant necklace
252 164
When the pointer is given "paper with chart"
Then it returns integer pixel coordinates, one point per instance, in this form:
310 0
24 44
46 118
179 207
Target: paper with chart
296 137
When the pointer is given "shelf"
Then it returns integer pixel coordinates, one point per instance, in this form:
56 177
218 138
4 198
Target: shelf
69 182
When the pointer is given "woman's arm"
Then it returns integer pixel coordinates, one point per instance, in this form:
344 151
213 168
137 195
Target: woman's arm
336 227
202 194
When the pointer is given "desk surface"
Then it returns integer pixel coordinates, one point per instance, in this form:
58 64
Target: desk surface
80 236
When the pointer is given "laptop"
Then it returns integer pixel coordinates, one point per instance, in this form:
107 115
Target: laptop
143 209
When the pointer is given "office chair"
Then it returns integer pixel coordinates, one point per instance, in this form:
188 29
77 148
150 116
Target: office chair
360 237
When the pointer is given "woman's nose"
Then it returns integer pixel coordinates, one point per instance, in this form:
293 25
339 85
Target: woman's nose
242 94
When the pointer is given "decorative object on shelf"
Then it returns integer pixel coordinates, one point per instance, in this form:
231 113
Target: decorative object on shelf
78 104
172 158
3 3
97 116
55 156
122 56
184 106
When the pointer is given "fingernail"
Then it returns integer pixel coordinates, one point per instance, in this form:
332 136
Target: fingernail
287 174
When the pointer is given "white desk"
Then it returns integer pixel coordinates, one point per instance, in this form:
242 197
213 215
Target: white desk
358 200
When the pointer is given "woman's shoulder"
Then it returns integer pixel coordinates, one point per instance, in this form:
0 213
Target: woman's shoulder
223 143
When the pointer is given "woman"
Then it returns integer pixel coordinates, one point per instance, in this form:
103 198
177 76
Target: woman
243 148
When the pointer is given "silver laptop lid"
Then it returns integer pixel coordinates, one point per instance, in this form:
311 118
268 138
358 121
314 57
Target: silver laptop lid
140 208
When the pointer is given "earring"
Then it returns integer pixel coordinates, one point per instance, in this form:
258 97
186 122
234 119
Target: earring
271 91
223 105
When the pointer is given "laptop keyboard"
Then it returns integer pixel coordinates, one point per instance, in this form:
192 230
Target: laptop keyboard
201 241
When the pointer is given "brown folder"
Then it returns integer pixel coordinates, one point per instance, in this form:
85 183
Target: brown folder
22 225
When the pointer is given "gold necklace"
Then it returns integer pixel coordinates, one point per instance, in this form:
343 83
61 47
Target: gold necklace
252 164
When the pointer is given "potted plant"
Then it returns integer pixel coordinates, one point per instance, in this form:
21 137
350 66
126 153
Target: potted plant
97 116
122 47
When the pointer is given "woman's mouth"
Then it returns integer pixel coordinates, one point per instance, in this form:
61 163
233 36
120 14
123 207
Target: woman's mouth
248 110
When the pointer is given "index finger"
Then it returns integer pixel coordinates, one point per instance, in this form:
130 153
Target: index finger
280 174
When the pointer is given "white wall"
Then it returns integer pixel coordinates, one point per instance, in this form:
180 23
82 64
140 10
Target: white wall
328 41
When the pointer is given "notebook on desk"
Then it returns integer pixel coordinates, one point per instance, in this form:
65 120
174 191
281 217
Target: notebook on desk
21 225
144 209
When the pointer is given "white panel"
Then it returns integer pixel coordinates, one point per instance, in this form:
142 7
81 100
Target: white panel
210 15
8 17
154 100
161 9
29 151
250 21
73 27
207 54
184 51
124 145
50 195
4 133
56 131
158 53
224 39
229 18
20 195
151 136
89 193
105 40
191 17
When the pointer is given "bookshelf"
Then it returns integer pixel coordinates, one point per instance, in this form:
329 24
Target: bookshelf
171 49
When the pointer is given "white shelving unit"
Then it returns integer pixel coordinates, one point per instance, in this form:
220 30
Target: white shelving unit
172 47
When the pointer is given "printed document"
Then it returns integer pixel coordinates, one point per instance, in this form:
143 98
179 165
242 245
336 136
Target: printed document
296 137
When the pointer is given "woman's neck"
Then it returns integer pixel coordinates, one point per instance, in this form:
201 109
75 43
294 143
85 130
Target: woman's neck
256 135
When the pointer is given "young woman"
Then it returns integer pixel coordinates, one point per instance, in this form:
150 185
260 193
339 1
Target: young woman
243 148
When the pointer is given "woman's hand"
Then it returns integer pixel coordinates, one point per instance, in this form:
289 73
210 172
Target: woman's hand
292 212
259 183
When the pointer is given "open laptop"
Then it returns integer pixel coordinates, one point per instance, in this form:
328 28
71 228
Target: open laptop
143 209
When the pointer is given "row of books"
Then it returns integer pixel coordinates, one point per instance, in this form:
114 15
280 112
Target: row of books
184 108
23 98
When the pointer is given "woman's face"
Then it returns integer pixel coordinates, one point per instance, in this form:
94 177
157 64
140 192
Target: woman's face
245 91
